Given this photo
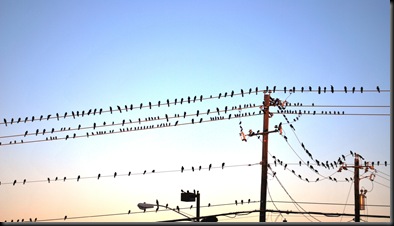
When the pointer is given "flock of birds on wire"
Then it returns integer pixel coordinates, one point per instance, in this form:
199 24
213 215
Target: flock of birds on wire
189 100
281 110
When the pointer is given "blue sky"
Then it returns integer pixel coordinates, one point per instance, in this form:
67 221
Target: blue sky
64 56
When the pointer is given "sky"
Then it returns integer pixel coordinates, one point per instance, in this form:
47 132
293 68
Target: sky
76 56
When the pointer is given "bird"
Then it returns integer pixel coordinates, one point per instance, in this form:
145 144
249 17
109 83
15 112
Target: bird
242 201
144 172
150 105
232 93
385 163
49 180
200 98
176 123
177 208
192 120
361 89
345 88
153 171
200 120
306 179
351 152
248 201
26 132
377 87
300 163
220 94
182 168
274 89
209 204
332 89
318 90
236 202
210 165
223 165
79 177
302 89
65 217
119 109
168 102
317 179
193 168
285 165
242 92
115 174
191 206
354 89
199 168
284 89
98 176
14 182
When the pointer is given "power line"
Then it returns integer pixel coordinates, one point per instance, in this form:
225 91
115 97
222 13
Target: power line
145 172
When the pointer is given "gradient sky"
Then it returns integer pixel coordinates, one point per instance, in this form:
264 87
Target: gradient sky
64 56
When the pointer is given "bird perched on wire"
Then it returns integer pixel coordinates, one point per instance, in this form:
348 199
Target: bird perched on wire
115 174
182 168
79 177
378 89
209 167
223 165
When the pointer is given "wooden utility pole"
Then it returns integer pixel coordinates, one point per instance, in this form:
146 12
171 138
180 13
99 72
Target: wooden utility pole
356 189
264 164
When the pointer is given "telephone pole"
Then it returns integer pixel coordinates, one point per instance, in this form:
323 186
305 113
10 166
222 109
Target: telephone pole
356 189
264 165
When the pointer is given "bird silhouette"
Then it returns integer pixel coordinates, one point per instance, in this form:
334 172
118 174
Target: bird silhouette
14 182
319 90
98 176
284 89
49 180
79 177
115 174
377 88
168 102
101 110
210 166
236 202
24 181
192 120
177 208
232 93
223 165
119 109
351 152
176 123
220 94
144 172
182 168
26 132
317 179
306 179
65 217
332 89
325 89
302 89
274 89
199 168
385 163
354 89
257 90
193 168
153 171
209 204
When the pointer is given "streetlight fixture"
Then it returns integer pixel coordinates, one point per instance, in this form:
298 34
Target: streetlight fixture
144 206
